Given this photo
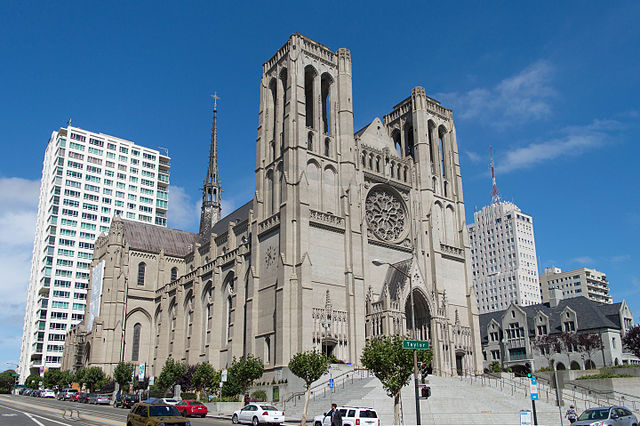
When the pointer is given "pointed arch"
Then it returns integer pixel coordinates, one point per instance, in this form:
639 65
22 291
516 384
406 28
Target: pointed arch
450 228
135 345
313 177
174 273
207 314
408 137
329 190
397 141
142 269
326 83
229 291
188 319
285 93
310 75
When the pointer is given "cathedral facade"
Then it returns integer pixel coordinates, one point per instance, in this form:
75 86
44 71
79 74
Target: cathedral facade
293 269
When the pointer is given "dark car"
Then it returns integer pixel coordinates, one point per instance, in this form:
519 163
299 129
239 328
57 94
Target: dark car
85 398
155 415
35 393
607 416
126 401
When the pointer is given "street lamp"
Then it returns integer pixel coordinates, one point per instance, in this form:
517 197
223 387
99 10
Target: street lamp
379 262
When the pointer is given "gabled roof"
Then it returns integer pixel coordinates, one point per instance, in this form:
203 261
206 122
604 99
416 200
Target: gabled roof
590 315
238 215
153 238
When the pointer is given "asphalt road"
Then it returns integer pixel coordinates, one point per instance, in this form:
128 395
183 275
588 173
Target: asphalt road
24 410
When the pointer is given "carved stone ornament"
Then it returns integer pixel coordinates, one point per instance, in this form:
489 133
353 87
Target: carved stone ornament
270 257
386 215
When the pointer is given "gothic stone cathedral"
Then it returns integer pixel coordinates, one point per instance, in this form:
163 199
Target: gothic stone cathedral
292 269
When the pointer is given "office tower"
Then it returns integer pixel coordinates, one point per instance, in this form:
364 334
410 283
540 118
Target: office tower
87 179
503 250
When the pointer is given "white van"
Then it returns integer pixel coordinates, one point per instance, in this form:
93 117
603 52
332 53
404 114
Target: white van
351 416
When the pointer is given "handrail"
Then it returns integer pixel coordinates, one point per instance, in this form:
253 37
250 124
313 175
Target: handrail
321 384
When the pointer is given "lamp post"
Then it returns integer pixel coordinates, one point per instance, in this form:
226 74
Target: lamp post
379 262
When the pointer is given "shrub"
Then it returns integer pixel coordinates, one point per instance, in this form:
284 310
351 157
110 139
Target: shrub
543 369
604 376
259 395
495 367
188 395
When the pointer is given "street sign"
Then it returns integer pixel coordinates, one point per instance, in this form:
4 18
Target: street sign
533 389
415 344
141 373
331 384
525 417
224 375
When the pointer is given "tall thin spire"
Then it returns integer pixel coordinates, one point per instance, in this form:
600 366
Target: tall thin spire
211 190
495 195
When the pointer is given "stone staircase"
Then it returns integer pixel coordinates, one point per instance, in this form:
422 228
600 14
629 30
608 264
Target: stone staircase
453 401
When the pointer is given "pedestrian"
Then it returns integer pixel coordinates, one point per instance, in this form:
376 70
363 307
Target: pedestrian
336 415
571 414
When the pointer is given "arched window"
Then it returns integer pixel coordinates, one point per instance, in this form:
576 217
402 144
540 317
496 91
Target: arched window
283 79
141 271
443 169
188 320
409 149
431 128
273 87
310 141
325 88
309 77
327 147
207 314
135 346
172 325
174 273
397 142
229 310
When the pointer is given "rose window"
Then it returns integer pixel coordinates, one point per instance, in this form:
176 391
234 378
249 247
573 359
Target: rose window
386 215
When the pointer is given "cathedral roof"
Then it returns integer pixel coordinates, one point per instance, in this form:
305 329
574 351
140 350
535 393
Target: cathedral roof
153 238
238 215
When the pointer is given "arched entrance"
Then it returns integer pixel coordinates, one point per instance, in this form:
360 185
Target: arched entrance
575 366
560 366
422 316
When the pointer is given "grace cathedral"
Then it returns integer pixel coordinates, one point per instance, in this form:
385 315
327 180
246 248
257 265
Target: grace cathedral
292 269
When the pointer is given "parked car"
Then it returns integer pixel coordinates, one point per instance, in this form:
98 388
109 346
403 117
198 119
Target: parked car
26 392
104 399
36 393
169 401
67 393
84 398
351 416
47 393
192 408
126 400
154 415
258 413
607 416
76 397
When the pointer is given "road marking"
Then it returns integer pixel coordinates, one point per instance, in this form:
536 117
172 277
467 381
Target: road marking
31 416
61 412
34 420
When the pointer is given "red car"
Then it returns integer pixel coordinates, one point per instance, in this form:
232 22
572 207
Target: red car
191 408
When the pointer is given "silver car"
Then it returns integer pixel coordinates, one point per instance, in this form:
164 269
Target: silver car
607 416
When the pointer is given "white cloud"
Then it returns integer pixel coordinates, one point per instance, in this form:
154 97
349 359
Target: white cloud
183 212
574 141
523 97
620 258
473 156
585 260
18 211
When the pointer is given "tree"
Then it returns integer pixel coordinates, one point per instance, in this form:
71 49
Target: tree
171 371
632 340
186 380
33 381
587 345
243 372
55 378
548 345
309 366
94 378
122 374
392 365
7 381
205 376
78 376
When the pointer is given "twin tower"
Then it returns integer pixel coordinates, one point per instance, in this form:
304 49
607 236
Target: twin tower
293 269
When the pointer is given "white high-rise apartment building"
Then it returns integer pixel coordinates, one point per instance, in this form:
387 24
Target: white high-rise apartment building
87 178
577 282
503 251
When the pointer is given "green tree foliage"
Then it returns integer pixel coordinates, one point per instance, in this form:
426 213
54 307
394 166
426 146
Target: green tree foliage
392 365
55 378
632 340
122 374
204 377
33 381
495 367
7 381
171 372
309 366
94 378
78 376
243 372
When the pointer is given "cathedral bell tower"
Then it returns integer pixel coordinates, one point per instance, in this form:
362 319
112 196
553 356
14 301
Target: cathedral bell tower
211 191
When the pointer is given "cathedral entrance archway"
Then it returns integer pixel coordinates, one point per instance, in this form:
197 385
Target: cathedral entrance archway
422 316
459 357
328 346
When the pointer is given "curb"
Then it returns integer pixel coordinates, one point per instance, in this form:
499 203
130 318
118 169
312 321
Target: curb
228 417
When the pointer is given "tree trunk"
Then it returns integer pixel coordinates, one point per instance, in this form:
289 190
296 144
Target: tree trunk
303 421
396 408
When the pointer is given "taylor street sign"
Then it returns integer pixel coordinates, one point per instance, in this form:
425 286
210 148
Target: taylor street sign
415 344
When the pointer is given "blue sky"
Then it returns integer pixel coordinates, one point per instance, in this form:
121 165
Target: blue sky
553 86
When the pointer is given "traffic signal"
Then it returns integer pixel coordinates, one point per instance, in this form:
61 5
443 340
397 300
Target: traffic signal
425 391
529 375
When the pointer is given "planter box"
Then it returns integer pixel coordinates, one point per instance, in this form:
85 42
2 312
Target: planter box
223 408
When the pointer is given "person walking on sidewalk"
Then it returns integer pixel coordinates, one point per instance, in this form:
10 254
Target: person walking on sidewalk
571 414
336 416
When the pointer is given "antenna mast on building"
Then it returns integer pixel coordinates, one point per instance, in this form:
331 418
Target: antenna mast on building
495 196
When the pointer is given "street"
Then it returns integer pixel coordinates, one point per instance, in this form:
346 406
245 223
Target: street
23 410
